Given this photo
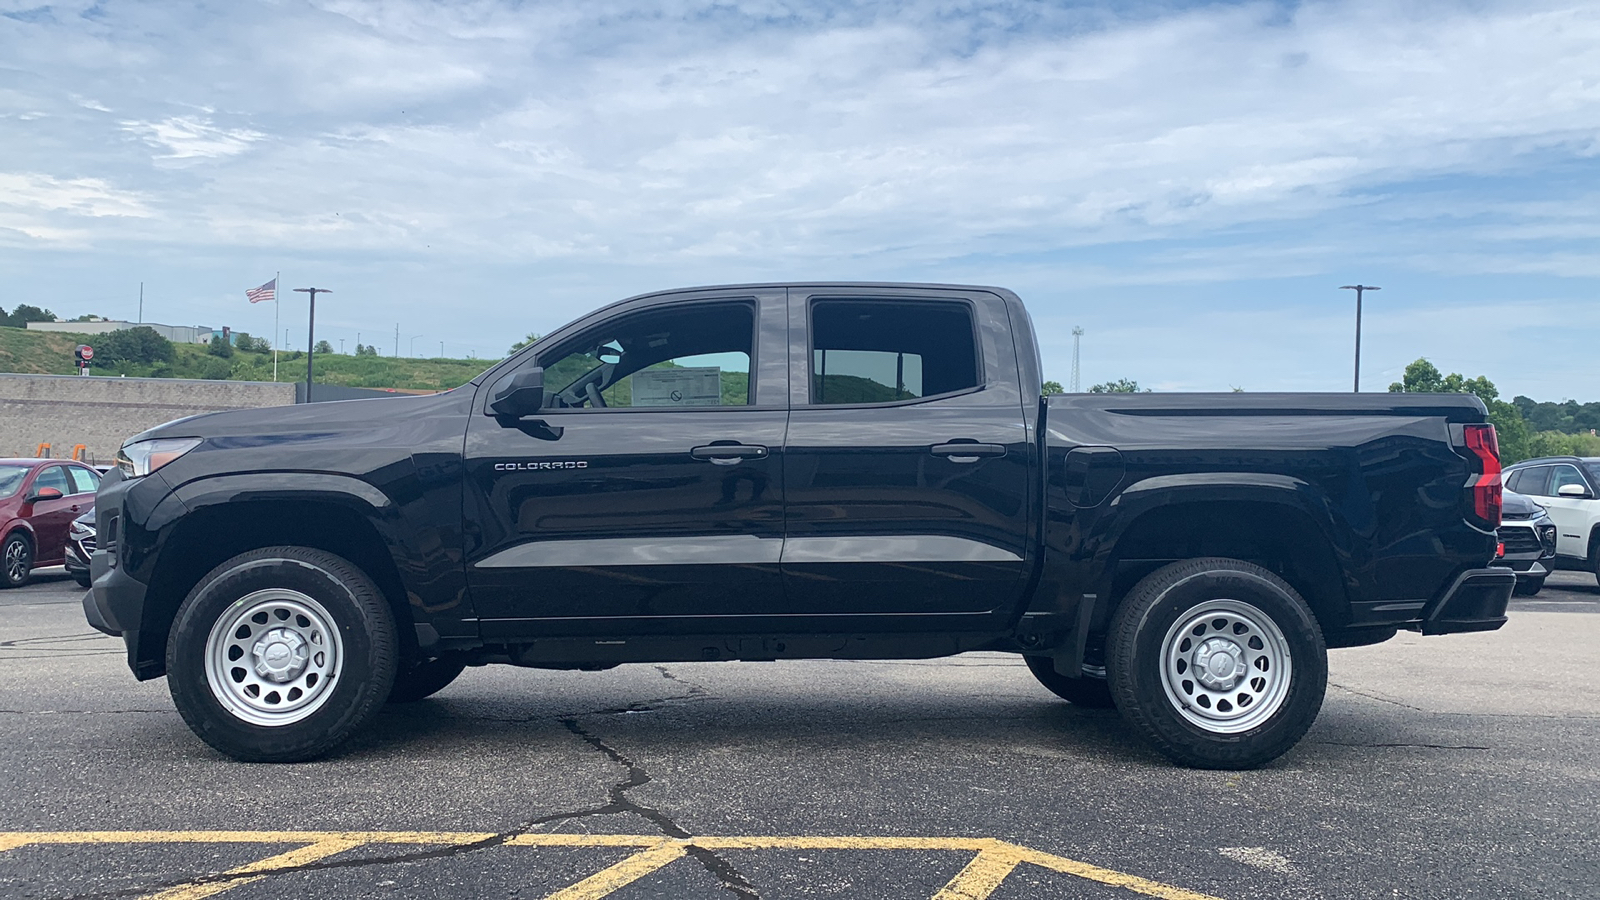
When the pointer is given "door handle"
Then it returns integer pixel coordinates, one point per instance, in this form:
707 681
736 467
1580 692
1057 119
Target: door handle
727 454
967 451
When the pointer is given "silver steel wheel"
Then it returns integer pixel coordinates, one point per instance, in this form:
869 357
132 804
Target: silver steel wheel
273 657
1225 666
16 560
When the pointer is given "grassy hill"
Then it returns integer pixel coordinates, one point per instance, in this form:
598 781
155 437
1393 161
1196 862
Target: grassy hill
50 353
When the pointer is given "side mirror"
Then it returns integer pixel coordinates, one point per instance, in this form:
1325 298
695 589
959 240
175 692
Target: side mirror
1572 490
524 396
45 494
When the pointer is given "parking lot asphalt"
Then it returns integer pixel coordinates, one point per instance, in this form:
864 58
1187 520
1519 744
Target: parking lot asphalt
1449 767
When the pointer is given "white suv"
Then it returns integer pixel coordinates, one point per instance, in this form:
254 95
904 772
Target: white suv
1568 487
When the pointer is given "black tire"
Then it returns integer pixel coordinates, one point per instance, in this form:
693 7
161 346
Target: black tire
82 578
16 560
1086 691
359 643
1211 600
425 679
1528 587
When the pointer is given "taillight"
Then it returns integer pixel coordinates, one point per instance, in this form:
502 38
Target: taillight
1485 485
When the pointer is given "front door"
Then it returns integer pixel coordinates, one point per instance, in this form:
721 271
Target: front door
907 465
51 518
650 485
1572 514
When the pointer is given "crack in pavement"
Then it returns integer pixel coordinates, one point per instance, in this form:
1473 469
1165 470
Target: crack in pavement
61 638
617 802
719 868
1352 690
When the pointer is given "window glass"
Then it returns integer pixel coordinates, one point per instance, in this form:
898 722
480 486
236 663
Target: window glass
883 351
1563 475
87 480
1532 481
675 358
53 477
11 478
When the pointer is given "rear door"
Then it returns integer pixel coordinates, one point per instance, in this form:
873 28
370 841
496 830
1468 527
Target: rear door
907 465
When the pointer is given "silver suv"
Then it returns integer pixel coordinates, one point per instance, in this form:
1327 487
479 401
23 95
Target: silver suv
1566 486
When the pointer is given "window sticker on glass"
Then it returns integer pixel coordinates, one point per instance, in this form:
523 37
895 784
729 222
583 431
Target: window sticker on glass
679 386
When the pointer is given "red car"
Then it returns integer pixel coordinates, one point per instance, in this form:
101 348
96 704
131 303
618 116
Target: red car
39 498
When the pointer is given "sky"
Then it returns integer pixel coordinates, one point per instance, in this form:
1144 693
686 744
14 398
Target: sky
1189 182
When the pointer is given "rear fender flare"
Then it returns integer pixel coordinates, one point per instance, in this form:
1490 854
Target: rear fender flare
1129 507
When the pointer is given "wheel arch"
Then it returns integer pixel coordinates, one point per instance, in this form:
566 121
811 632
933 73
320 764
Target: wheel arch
219 521
1280 523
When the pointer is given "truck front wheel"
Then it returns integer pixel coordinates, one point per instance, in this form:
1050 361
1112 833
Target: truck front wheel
280 654
1218 662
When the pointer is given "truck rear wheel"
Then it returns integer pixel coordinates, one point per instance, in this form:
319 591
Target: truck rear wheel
1217 662
1085 691
280 654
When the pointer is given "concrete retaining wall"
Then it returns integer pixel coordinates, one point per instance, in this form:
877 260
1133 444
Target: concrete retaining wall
100 412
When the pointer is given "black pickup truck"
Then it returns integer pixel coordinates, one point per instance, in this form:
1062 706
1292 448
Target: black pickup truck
763 472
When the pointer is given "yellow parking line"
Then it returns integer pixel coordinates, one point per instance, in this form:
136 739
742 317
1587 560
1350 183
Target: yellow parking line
298 857
623 873
981 876
1109 876
994 861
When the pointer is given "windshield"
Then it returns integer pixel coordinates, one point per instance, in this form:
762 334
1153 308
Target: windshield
11 479
1592 469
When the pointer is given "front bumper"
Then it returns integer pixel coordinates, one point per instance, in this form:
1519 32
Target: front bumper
114 605
1475 601
77 560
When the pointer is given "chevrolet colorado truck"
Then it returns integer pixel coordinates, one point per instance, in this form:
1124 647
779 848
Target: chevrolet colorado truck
763 472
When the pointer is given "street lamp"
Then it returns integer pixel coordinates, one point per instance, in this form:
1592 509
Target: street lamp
414 344
311 332
1358 288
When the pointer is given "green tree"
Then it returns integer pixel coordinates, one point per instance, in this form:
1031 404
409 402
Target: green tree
141 345
324 347
215 369
1120 386
366 350
532 336
244 340
220 347
1051 387
1516 441
23 314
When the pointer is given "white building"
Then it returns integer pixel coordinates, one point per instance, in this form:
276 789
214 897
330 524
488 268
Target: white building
178 334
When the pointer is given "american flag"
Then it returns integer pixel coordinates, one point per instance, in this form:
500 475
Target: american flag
268 291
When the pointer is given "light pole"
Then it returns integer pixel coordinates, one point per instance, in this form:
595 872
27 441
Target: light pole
311 332
341 346
413 352
1358 288
441 349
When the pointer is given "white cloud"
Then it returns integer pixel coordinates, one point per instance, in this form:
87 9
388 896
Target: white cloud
188 137
1163 150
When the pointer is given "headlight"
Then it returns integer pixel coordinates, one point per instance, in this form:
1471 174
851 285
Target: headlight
139 460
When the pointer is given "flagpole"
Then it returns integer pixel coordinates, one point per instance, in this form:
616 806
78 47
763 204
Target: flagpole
277 285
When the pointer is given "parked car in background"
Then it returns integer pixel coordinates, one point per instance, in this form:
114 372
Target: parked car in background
1527 538
39 498
1567 487
80 546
